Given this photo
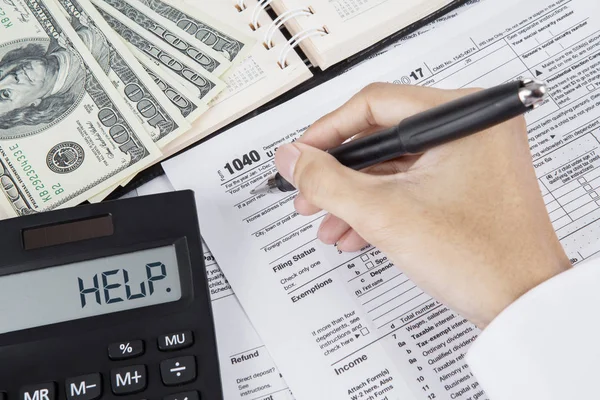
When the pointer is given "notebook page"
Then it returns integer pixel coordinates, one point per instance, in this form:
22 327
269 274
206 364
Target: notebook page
247 370
257 80
353 25
339 334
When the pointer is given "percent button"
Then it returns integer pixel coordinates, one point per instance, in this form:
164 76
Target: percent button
125 350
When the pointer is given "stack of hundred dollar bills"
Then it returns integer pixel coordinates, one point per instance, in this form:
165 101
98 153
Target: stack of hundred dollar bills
92 92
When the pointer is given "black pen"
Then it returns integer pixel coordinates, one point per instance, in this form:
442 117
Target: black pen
414 135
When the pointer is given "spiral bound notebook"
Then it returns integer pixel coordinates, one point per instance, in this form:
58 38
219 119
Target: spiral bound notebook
329 31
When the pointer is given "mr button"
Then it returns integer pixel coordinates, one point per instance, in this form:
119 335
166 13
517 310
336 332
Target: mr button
44 391
175 341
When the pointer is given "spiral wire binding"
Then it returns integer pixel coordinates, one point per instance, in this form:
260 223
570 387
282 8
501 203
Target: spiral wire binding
260 6
278 23
281 20
295 41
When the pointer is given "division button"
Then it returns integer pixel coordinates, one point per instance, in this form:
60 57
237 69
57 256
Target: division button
125 350
176 341
86 387
41 391
176 371
183 396
128 380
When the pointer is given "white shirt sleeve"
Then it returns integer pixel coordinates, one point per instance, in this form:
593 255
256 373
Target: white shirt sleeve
545 345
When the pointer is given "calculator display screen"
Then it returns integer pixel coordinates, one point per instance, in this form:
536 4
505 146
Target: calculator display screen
89 288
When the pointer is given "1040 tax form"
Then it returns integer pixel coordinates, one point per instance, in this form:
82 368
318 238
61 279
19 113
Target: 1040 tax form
352 326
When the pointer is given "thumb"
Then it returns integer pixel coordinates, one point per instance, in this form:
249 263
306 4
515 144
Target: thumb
324 182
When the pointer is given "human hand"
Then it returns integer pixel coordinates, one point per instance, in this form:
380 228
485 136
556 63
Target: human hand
465 220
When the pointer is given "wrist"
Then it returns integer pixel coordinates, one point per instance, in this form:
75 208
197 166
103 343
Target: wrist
522 280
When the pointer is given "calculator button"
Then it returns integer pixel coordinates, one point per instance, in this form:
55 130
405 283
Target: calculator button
2 395
128 380
178 370
42 391
125 350
176 341
183 396
86 387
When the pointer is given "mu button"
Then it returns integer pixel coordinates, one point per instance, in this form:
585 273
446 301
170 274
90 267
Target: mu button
86 387
178 370
176 341
128 380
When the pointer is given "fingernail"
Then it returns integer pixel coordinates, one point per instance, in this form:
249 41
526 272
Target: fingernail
286 159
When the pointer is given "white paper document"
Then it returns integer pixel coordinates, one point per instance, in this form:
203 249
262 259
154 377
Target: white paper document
352 326
247 369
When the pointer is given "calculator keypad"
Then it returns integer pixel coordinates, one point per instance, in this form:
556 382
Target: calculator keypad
125 350
41 391
176 371
128 380
176 341
86 387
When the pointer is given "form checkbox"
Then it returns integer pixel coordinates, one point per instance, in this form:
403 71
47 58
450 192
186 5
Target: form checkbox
598 202
594 195
364 257
588 188
370 265
582 180
364 331
591 88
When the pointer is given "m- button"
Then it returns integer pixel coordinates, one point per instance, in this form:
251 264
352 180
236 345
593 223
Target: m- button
86 387
175 341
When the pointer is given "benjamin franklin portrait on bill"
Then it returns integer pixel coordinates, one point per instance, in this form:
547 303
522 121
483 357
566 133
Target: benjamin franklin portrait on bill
41 81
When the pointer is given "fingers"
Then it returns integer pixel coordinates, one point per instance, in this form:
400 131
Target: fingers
377 105
304 207
336 231
397 166
324 182
351 241
332 229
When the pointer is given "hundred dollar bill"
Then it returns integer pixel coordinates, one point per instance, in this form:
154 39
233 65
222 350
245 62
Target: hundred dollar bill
203 84
144 97
65 131
195 23
166 31
190 107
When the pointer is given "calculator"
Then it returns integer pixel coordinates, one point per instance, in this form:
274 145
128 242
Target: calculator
107 301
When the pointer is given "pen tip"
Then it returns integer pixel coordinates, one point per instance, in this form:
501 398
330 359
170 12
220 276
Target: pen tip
266 186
